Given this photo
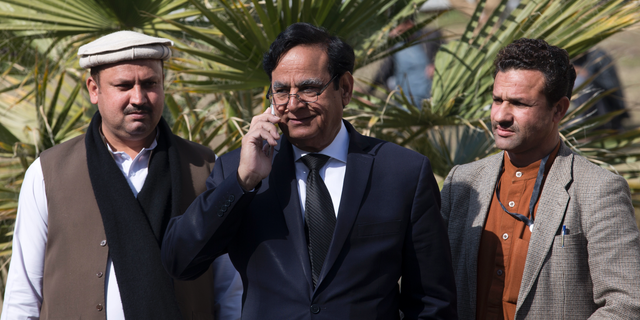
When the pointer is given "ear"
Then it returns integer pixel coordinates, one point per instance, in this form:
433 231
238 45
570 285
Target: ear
561 108
92 87
346 88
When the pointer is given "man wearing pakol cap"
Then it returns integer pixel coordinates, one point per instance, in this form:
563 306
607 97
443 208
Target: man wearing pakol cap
93 210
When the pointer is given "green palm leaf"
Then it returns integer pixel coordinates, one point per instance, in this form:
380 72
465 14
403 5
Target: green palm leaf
249 27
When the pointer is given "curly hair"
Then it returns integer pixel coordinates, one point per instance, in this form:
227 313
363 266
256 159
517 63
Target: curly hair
537 54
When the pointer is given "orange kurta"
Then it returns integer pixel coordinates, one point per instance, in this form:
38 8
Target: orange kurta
505 241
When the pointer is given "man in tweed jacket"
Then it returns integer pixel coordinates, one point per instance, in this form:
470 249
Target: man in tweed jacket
583 254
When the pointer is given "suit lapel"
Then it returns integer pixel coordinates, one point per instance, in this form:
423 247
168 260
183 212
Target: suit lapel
486 183
283 182
356 179
549 216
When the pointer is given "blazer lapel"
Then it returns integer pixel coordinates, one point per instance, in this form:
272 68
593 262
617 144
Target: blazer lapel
283 182
479 210
356 179
549 216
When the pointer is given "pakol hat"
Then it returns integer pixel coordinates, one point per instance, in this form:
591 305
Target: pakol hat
436 5
123 46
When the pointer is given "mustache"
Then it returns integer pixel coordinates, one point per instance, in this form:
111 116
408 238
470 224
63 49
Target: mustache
144 108
508 125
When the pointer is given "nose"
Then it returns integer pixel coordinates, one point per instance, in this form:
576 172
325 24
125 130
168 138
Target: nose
294 103
501 112
138 95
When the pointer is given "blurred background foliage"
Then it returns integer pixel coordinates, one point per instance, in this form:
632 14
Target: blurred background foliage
215 83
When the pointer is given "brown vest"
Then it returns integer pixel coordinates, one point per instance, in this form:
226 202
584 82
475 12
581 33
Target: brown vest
77 251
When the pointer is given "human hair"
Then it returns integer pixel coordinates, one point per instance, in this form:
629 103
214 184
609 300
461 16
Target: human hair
537 54
95 71
341 56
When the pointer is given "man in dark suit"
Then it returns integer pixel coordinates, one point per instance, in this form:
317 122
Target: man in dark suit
324 223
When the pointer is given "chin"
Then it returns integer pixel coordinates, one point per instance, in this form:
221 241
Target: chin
501 144
140 133
301 133
505 143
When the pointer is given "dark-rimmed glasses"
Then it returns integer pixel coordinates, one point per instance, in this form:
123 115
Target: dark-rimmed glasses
305 96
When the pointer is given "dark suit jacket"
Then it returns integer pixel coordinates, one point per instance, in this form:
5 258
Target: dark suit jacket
388 227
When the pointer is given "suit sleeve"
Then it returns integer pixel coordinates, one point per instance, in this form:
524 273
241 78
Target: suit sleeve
428 287
193 240
613 245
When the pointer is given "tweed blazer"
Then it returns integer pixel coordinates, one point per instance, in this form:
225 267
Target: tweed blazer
596 274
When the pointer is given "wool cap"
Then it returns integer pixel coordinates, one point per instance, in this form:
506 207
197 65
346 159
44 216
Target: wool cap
435 5
123 46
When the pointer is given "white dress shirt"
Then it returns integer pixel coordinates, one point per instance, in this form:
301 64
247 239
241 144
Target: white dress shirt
332 173
23 294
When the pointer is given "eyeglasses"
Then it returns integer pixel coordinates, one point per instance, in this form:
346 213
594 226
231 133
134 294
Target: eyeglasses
306 96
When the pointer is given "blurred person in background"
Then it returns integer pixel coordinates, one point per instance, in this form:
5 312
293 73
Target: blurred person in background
412 68
598 64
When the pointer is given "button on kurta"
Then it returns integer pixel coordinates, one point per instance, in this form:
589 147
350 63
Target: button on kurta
499 272
518 174
512 204
99 307
505 236
103 243
99 274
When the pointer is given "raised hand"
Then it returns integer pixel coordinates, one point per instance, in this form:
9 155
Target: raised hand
255 157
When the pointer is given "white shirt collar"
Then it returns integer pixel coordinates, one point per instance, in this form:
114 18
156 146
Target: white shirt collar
153 145
338 148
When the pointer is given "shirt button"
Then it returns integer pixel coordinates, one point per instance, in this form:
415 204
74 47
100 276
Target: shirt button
512 204
505 236
103 243
99 307
499 272
99 274
518 174
315 309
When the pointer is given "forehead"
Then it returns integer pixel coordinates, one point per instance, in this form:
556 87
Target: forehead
146 68
519 83
301 62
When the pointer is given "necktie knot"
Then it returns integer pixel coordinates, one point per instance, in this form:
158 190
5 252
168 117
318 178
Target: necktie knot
314 161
